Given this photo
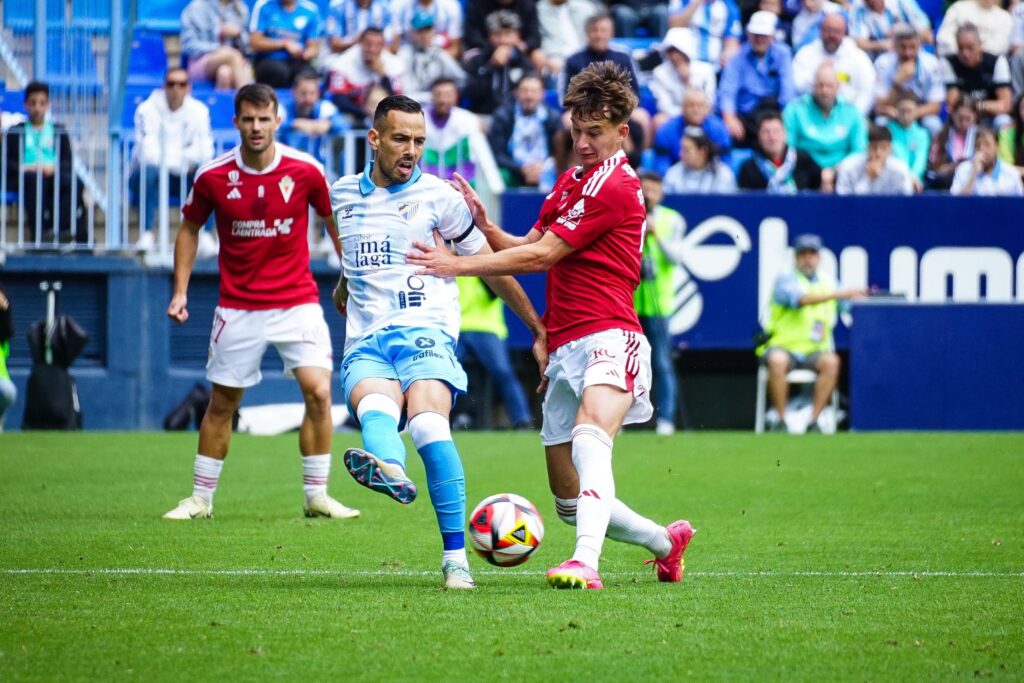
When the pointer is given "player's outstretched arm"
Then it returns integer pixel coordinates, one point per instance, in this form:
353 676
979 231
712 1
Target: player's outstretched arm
186 244
497 238
535 257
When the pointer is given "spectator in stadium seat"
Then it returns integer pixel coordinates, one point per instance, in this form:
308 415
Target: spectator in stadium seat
492 72
309 121
477 32
905 72
522 134
8 392
802 313
651 15
448 22
825 125
696 112
776 167
214 38
172 128
994 26
982 76
807 22
699 170
424 62
910 140
717 24
986 175
482 335
562 29
877 171
284 37
39 156
783 21
351 74
953 145
1011 139
679 72
9 118
852 66
757 79
871 26
347 19
662 255
450 131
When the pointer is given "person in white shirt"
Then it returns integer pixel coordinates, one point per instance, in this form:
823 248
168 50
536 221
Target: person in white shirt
908 71
351 74
562 29
877 171
853 67
986 175
994 26
172 130
424 62
679 72
807 22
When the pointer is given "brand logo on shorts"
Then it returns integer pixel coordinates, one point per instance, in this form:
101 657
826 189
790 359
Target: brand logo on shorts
424 343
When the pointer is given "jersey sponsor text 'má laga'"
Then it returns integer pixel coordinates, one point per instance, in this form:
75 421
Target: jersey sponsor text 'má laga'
262 222
601 214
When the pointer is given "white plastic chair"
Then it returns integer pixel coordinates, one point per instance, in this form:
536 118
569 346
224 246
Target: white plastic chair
795 376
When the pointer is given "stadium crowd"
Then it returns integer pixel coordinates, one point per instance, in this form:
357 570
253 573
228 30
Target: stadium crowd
872 98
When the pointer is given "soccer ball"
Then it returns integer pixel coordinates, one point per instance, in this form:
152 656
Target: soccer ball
505 529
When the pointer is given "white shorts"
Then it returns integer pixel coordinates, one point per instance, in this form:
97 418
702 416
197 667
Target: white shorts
616 357
239 339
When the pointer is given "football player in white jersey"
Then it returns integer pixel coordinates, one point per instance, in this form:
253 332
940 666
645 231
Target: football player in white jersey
402 328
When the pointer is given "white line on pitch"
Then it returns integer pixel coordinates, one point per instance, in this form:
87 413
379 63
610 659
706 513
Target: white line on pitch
145 571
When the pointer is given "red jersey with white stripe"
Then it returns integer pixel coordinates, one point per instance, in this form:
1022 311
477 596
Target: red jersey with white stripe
601 215
262 221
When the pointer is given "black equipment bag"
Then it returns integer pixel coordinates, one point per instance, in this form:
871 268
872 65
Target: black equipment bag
51 399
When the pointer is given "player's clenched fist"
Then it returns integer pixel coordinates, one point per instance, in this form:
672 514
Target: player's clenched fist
177 310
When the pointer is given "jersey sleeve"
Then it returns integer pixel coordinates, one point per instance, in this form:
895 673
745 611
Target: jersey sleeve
593 215
198 205
320 192
456 224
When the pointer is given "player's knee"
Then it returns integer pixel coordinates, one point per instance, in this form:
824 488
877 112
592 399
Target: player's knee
565 508
318 397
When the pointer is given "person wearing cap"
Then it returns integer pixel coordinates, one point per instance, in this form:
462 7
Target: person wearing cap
493 72
477 31
758 78
802 313
717 23
679 72
347 19
424 62
699 170
448 23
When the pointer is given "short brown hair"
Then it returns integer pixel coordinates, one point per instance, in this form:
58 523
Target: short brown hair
603 90
258 94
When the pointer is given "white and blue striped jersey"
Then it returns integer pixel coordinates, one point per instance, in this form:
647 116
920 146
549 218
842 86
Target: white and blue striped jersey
377 226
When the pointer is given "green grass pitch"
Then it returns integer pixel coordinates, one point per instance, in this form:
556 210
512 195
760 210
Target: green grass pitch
856 557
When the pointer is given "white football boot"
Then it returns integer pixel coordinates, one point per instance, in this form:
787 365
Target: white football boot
457 576
192 507
322 505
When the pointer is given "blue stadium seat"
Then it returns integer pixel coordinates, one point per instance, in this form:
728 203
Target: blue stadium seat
94 15
737 157
13 101
20 15
147 60
134 95
161 16
221 105
71 61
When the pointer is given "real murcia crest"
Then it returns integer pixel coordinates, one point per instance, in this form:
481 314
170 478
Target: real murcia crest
408 209
286 185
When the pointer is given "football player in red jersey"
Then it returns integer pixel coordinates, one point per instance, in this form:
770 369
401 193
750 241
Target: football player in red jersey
260 193
588 238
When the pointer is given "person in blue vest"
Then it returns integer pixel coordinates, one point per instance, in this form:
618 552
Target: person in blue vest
309 119
802 313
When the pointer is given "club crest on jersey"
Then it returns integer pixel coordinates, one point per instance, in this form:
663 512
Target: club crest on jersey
408 209
572 218
234 179
286 185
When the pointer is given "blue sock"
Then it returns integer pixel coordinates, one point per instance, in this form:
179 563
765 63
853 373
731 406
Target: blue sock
380 437
446 480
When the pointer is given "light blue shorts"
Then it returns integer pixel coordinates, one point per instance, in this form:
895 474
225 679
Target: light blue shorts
406 354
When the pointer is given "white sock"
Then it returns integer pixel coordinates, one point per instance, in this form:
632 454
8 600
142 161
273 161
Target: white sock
592 457
315 469
205 475
624 525
456 555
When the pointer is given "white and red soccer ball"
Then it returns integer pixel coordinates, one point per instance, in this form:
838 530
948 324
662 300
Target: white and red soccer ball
505 529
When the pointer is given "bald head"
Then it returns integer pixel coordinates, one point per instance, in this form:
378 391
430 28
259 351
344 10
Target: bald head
696 106
825 87
833 30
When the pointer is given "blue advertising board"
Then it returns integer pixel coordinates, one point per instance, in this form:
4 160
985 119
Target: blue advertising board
929 248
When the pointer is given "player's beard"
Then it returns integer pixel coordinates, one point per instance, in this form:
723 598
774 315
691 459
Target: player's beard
394 173
267 141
